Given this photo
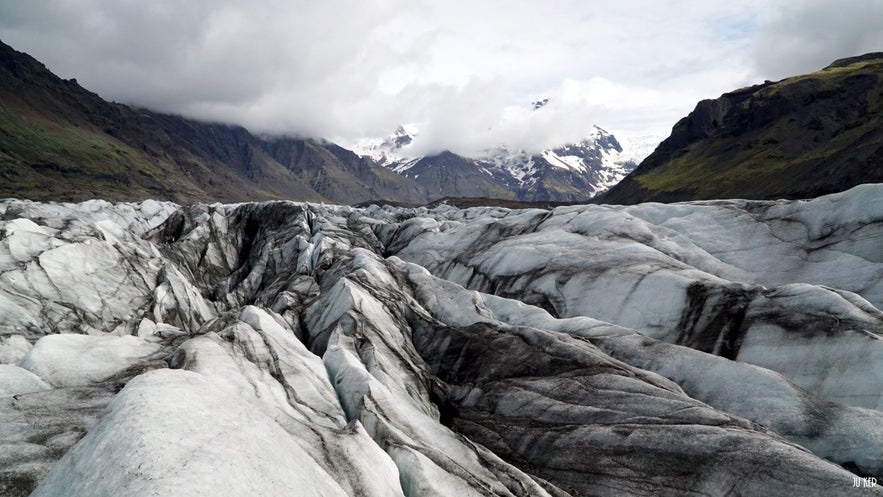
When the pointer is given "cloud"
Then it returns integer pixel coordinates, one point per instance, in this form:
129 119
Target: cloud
806 35
289 66
466 71
474 118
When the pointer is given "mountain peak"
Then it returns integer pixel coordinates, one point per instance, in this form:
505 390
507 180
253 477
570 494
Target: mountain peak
402 137
62 142
847 61
570 172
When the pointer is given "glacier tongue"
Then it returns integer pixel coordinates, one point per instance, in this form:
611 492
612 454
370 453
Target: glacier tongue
714 348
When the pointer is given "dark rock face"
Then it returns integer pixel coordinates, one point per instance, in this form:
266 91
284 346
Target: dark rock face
448 174
797 138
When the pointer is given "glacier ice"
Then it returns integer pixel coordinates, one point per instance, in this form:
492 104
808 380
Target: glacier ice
707 348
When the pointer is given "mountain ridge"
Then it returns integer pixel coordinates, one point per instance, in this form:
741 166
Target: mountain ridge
800 137
59 141
568 173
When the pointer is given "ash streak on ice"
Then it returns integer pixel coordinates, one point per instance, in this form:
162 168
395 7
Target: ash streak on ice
687 349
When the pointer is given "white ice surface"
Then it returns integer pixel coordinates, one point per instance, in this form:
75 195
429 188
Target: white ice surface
70 360
13 348
249 380
15 380
839 432
825 365
257 361
177 433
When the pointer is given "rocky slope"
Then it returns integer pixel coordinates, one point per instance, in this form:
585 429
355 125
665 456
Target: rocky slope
59 141
717 348
797 138
570 173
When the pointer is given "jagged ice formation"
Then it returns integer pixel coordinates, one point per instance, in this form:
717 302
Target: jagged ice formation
712 348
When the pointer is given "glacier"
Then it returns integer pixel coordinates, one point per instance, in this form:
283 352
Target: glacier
711 348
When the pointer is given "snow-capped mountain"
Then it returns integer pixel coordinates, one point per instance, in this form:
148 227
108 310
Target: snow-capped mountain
593 165
391 151
572 172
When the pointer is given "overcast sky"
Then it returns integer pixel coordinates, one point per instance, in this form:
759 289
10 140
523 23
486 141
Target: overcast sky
464 71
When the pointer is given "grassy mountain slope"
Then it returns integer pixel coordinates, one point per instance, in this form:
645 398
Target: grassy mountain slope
59 141
797 138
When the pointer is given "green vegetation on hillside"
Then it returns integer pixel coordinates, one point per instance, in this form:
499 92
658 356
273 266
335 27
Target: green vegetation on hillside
61 156
58 141
799 137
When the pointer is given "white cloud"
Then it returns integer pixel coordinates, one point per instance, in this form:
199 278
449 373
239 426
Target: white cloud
806 35
349 69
